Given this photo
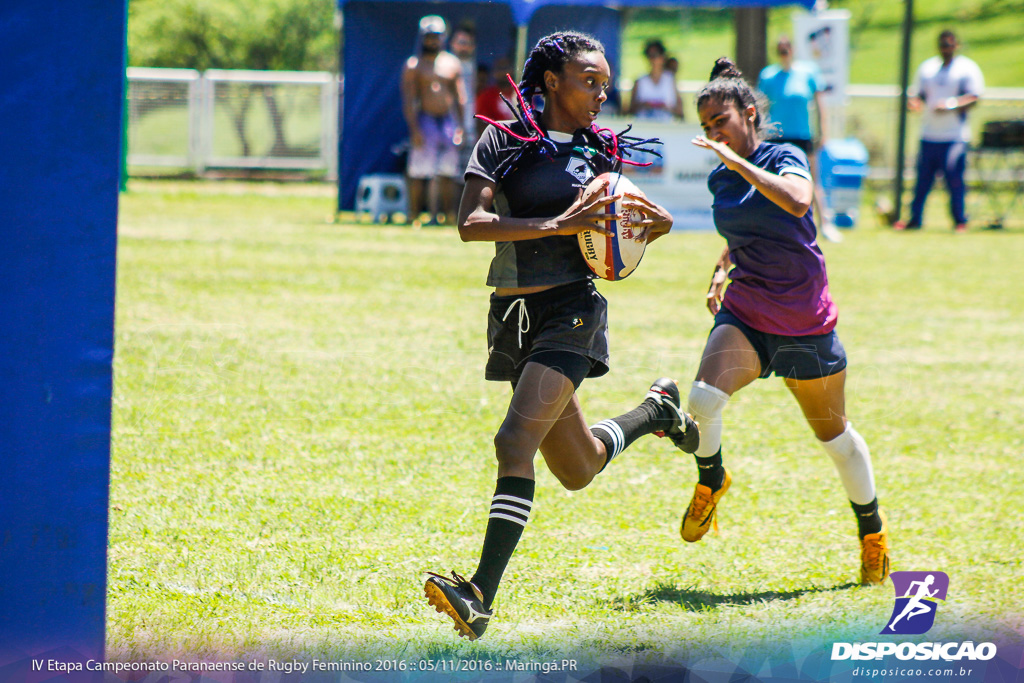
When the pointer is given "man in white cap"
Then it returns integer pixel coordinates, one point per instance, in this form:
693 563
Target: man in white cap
433 101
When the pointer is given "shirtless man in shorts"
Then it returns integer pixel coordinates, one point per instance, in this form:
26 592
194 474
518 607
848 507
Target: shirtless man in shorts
433 101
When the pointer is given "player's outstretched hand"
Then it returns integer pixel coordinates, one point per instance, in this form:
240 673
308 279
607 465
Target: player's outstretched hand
730 158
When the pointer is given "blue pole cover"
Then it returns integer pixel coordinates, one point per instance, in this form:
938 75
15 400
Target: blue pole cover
60 113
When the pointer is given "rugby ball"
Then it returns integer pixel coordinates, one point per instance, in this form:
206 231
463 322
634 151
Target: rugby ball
616 255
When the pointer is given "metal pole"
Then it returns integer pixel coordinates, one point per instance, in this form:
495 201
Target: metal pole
908 25
521 48
125 110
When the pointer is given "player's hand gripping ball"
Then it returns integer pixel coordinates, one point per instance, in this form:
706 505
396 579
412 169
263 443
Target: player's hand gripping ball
616 255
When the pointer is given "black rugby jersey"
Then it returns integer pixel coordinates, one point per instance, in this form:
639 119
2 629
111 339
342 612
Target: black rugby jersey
541 185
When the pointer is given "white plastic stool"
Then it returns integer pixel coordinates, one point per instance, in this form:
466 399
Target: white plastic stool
381 194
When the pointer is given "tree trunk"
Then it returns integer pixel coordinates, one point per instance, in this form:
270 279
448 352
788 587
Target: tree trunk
239 113
280 147
751 41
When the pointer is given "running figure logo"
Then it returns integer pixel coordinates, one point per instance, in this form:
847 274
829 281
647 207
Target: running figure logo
916 595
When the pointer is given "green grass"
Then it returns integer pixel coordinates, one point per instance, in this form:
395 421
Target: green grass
301 429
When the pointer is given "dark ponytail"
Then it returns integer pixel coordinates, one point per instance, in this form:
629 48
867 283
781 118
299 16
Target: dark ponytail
727 85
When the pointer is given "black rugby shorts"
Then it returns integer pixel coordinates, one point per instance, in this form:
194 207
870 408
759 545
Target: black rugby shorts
571 317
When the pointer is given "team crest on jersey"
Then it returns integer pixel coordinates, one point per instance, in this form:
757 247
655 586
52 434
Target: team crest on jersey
579 169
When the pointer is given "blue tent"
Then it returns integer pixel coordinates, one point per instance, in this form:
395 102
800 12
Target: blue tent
379 35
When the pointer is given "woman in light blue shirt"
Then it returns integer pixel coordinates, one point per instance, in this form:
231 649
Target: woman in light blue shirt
791 87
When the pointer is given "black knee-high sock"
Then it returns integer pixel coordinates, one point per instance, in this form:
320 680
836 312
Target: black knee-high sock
619 432
868 519
510 510
710 471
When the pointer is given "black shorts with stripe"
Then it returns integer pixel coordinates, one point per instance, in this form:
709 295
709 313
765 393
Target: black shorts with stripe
567 318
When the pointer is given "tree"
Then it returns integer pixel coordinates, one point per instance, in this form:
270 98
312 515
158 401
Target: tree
291 35
272 35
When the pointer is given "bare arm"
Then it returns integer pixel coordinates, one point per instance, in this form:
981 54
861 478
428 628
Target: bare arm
410 101
964 102
790 192
461 98
915 103
633 104
479 223
718 278
819 106
677 108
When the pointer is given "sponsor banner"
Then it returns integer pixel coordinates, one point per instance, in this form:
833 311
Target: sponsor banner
824 38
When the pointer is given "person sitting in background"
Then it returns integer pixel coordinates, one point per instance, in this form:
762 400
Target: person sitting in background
655 96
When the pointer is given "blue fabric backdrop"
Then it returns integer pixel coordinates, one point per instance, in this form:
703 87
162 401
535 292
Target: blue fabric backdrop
60 113
380 35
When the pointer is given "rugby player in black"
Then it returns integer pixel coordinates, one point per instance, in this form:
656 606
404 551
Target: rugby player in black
547 326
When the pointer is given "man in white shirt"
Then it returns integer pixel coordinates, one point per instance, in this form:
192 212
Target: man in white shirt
947 87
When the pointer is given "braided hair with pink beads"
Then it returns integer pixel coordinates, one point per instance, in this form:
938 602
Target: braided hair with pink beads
552 53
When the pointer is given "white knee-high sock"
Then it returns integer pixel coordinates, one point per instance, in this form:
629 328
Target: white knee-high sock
850 453
706 404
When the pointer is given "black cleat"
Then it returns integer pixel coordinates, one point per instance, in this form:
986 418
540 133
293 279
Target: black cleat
684 432
460 600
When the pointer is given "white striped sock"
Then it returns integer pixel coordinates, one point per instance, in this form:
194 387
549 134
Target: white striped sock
511 508
615 435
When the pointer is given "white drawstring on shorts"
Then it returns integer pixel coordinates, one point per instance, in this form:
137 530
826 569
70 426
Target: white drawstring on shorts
524 317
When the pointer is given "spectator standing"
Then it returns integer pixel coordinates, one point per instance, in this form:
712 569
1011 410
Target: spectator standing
947 87
655 96
463 46
433 102
791 87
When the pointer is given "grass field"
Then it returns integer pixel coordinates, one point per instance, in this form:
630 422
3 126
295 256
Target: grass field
301 429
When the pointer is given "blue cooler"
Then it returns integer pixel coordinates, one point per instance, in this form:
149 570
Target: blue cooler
843 166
